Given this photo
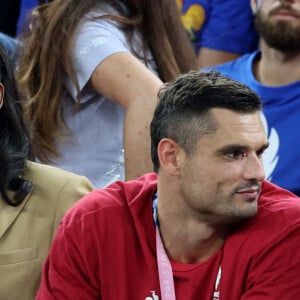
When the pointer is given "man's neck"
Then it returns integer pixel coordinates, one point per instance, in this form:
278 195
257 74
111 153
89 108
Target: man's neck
276 68
188 240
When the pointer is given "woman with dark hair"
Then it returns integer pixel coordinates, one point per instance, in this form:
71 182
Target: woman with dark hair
14 140
33 197
90 72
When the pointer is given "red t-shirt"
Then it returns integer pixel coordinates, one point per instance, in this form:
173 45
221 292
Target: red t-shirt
105 249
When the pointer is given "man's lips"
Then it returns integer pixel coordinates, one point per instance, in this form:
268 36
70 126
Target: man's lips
285 14
249 193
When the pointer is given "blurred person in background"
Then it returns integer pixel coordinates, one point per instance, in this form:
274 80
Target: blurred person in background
219 30
90 72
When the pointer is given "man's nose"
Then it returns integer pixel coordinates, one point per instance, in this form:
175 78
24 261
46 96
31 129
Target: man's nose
254 168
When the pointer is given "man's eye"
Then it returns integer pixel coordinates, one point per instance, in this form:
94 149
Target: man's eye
238 154
260 153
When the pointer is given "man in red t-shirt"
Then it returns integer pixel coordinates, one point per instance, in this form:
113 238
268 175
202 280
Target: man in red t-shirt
205 226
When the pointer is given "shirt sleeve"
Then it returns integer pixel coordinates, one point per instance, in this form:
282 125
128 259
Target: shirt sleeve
229 27
95 40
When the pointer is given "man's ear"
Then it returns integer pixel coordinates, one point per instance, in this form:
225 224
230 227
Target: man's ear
255 4
169 156
1 94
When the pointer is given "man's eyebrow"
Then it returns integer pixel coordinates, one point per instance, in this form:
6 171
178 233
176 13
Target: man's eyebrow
265 146
234 147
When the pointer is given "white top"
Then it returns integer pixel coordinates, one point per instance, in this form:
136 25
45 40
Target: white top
96 148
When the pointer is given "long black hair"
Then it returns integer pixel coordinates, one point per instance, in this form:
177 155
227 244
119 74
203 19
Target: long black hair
14 140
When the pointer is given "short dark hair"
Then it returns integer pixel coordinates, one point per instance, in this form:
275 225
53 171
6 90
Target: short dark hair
14 139
182 112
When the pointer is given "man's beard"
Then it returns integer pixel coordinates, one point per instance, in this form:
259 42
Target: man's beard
280 35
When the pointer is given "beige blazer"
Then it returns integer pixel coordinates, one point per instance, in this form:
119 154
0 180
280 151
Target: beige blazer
26 231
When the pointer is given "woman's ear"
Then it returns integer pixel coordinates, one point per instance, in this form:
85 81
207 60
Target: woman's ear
1 94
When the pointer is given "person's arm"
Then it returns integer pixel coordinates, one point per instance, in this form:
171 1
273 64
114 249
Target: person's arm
228 32
124 79
210 57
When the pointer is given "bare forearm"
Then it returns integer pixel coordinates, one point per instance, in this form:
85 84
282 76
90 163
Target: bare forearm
137 144
135 88
210 57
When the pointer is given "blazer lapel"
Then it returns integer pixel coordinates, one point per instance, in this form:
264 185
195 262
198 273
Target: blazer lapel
8 213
